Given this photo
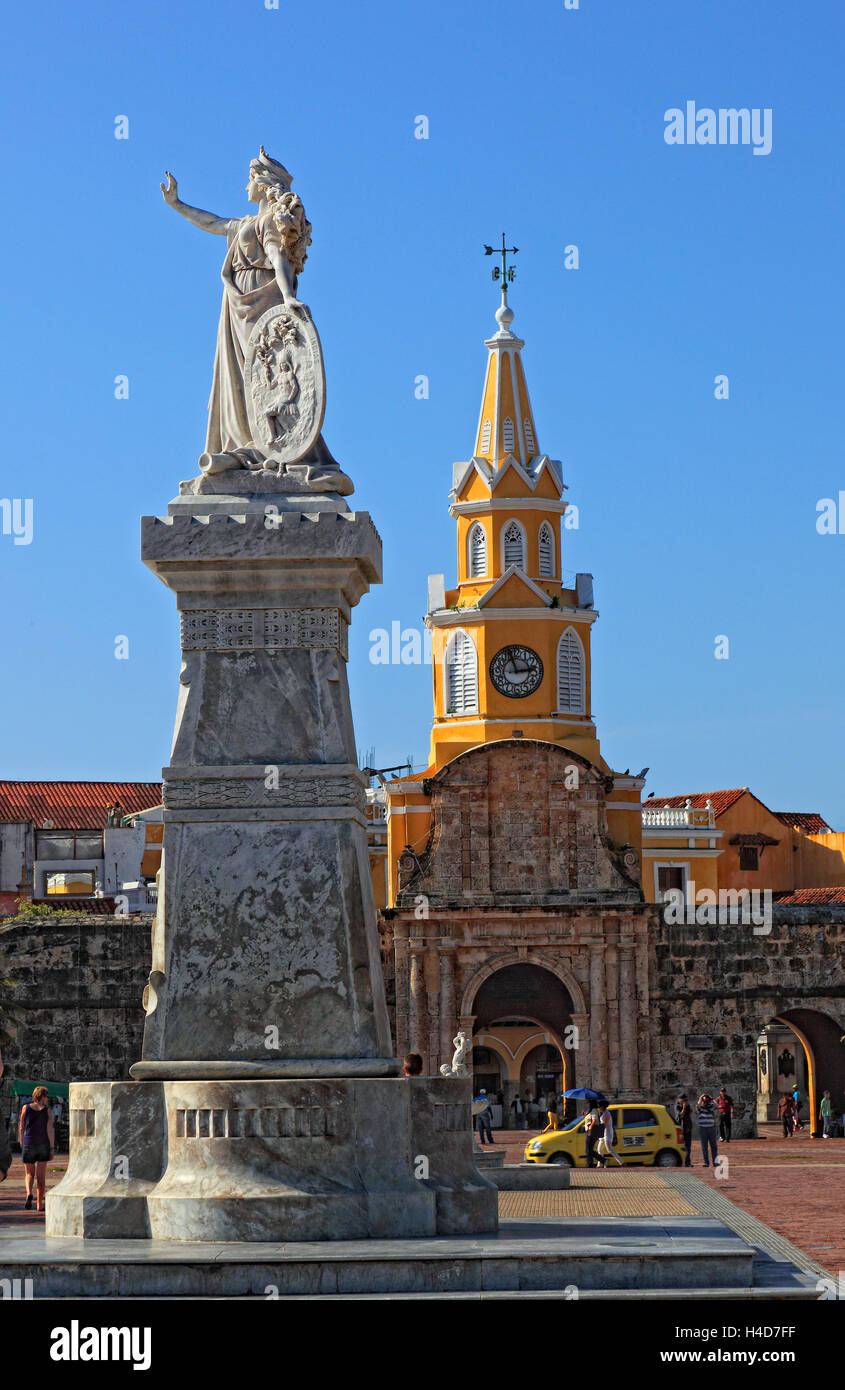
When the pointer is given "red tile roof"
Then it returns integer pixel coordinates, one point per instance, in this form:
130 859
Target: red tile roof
74 805
814 895
720 801
808 822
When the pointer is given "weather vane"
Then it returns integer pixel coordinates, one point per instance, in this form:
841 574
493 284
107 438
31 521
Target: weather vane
505 273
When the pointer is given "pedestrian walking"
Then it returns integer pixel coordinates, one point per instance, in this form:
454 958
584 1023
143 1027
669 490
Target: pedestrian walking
683 1118
726 1114
707 1128
593 1132
551 1115
5 1150
605 1149
797 1122
35 1130
533 1114
484 1122
826 1115
786 1108
518 1112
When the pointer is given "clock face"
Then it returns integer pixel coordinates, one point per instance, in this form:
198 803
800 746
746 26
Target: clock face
516 671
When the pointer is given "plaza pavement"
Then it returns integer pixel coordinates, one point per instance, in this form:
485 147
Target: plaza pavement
794 1186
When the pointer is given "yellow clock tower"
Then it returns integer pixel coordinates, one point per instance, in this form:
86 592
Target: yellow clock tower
511 640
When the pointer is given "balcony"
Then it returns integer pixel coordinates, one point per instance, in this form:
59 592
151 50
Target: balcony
679 818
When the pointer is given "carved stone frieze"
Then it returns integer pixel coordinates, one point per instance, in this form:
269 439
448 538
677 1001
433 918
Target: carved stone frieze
269 629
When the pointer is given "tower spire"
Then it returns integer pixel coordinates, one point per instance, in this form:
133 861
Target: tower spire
503 276
506 422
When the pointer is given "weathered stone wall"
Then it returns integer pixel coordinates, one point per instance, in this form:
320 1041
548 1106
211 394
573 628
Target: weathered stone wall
722 985
80 981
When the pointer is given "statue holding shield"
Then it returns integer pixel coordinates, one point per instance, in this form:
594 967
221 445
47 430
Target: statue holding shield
268 394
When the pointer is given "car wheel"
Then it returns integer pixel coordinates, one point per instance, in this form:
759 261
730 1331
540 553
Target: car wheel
667 1158
562 1158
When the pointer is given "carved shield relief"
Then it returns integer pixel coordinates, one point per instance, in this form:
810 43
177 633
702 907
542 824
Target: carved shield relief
285 384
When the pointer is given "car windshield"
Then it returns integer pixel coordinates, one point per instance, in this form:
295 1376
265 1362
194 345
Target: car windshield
573 1124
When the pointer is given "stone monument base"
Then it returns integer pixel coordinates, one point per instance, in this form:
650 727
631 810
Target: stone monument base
277 1160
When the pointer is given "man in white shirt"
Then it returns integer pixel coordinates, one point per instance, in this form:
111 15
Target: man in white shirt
605 1146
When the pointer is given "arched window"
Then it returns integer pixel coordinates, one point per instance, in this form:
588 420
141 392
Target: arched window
570 673
477 552
513 545
529 436
486 431
546 549
461 674
507 435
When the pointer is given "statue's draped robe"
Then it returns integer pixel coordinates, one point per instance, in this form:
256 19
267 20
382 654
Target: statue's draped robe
249 290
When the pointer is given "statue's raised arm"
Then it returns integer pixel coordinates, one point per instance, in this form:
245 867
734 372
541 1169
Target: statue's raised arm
209 221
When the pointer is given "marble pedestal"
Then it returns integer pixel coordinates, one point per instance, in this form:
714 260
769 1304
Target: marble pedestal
343 1159
267 1103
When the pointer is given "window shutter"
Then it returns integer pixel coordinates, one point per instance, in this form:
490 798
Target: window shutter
461 675
486 431
477 552
514 545
529 437
570 673
546 546
507 435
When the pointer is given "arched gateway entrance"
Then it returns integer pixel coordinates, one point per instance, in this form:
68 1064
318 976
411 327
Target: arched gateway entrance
800 1047
521 1017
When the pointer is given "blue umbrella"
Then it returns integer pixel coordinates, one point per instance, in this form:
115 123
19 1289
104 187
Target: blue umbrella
583 1093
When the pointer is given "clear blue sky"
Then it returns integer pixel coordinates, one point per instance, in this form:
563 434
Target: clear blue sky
697 515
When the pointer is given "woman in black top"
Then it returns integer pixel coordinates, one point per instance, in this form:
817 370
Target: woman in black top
37 1142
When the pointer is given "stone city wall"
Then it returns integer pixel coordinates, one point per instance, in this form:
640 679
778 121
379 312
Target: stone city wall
714 988
80 980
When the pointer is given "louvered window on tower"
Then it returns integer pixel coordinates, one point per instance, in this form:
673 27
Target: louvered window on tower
570 673
477 552
486 431
546 547
529 437
507 435
514 545
461 664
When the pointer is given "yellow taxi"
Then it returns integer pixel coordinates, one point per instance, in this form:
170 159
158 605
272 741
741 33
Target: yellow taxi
644 1134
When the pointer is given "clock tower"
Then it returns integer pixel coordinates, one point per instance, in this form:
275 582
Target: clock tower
511 639
514 908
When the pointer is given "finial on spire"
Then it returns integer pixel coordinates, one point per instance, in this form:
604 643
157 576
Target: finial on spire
503 275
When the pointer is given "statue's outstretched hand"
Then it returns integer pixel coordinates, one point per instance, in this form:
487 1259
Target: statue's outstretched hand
169 192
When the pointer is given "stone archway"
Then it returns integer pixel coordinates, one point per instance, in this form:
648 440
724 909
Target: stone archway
800 1046
566 978
516 1001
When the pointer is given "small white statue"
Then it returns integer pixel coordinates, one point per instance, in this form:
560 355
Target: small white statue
463 1050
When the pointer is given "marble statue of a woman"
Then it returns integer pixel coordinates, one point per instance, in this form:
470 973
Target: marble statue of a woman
267 401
